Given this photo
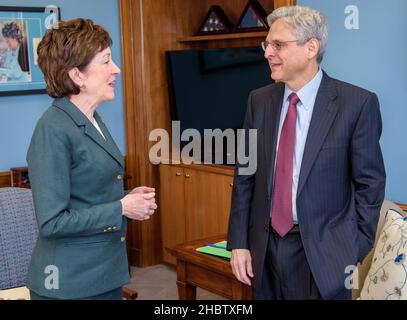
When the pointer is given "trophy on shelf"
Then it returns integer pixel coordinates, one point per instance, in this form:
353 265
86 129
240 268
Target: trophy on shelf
253 18
215 22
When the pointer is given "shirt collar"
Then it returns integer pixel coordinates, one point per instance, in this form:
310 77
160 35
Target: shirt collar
308 92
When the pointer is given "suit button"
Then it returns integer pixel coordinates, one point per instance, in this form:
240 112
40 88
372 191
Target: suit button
266 228
119 177
122 239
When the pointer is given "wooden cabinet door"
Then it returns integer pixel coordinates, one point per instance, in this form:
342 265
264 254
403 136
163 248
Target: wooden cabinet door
207 203
171 209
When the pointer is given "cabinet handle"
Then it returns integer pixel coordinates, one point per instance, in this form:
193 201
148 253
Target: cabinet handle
178 174
231 184
187 175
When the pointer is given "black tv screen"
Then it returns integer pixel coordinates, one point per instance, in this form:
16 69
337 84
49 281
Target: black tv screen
209 88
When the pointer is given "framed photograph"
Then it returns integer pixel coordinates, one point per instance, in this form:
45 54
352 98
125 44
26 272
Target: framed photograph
21 30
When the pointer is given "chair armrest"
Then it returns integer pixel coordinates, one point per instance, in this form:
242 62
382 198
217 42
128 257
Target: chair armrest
20 293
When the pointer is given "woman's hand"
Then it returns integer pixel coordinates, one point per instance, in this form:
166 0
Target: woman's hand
142 190
139 204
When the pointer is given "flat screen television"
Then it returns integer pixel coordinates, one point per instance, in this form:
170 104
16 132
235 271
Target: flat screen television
209 88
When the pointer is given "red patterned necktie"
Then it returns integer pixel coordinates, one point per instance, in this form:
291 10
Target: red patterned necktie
282 211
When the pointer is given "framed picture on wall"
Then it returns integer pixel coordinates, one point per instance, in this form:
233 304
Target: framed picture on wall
21 29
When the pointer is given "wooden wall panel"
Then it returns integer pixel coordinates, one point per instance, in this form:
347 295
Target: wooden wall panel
282 3
128 29
148 29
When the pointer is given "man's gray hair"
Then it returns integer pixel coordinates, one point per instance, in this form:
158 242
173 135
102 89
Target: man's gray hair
307 23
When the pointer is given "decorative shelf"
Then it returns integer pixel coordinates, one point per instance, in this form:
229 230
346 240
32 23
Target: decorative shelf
241 35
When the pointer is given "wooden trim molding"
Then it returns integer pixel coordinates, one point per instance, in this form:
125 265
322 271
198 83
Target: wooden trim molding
211 168
5 179
283 3
144 240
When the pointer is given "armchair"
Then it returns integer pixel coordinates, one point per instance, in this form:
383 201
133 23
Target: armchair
363 268
18 234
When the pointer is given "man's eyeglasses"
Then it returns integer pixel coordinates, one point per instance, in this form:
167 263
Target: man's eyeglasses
275 44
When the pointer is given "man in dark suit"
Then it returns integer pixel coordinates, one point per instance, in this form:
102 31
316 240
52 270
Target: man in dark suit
311 208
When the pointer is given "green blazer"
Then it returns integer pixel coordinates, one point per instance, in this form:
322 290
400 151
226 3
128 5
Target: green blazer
77 183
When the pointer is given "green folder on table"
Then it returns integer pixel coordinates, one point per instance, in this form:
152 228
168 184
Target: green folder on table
216 249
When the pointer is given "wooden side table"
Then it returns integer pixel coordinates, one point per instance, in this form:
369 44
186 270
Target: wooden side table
214 274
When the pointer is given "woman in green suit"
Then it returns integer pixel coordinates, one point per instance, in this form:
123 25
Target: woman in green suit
76 172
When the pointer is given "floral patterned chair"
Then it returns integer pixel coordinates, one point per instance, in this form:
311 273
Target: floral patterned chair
380 270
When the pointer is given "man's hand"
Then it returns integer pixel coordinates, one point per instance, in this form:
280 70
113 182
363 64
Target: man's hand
241 263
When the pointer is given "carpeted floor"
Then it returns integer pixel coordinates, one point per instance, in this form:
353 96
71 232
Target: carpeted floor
159 283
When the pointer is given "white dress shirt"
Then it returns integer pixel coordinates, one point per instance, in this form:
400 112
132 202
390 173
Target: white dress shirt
307 95
95 123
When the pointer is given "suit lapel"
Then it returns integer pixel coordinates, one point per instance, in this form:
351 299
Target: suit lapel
324 113
271 122
109 143
93 134
80 119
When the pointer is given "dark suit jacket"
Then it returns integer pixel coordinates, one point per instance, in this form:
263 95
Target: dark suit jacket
76 180
341 184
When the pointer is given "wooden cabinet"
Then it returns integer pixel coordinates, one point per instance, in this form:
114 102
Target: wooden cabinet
207 198
194 203
172 208
19 177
